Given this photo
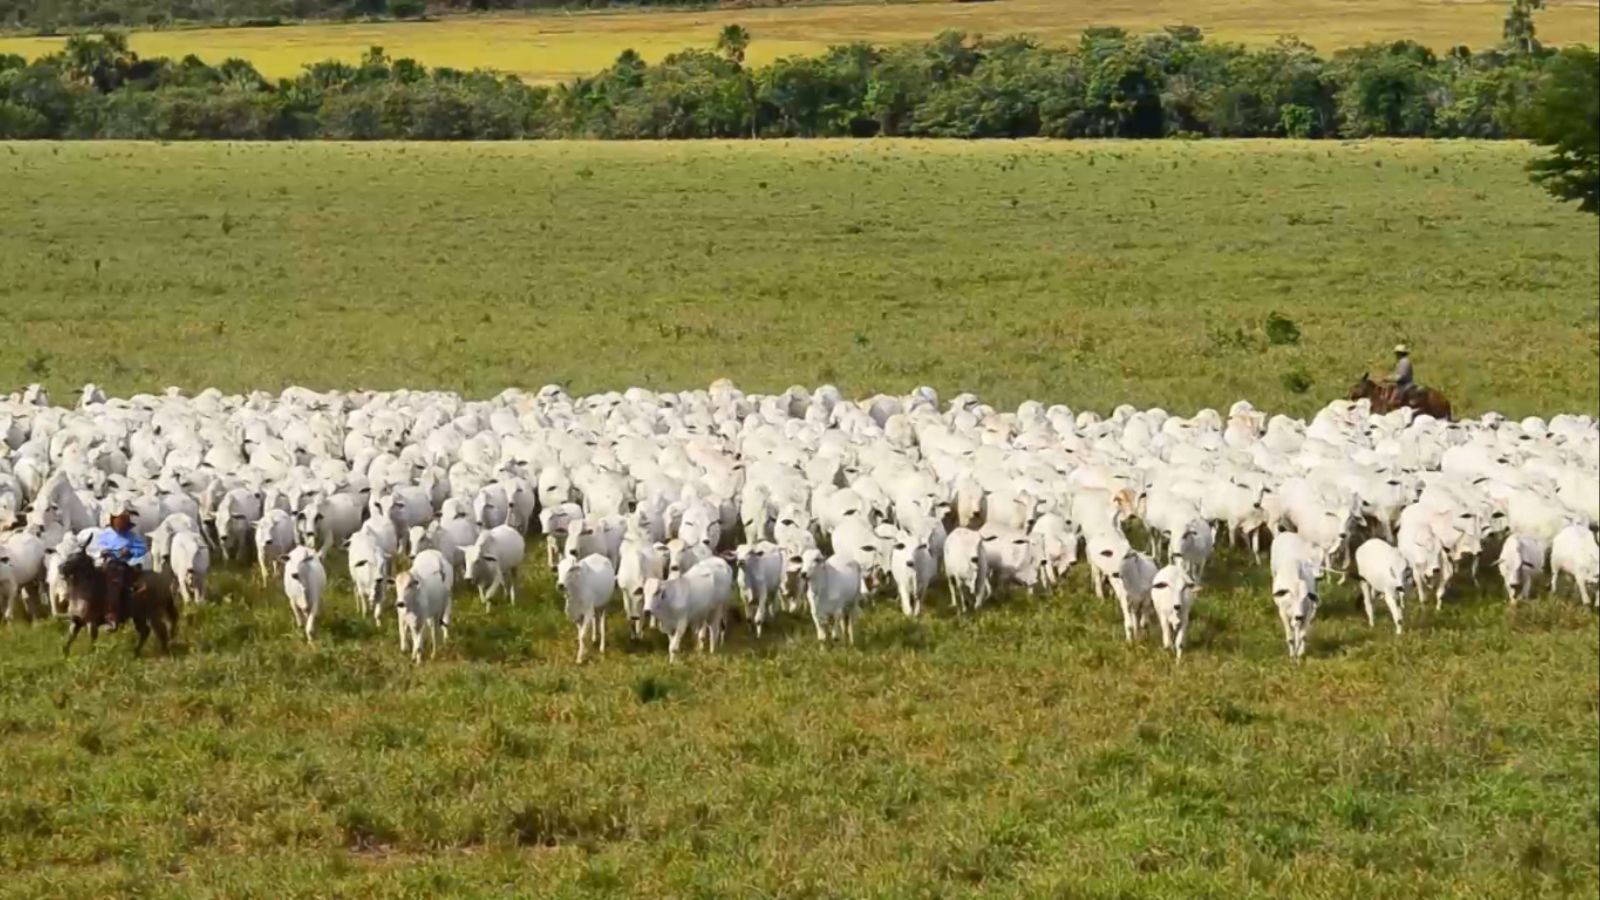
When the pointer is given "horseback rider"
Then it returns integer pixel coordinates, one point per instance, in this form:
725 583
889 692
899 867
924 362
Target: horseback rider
120 542
1402 379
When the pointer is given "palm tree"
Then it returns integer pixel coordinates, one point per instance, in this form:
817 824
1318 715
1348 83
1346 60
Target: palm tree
732 41
99 59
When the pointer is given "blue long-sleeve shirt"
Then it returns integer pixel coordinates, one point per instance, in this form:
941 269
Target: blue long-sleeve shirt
130 546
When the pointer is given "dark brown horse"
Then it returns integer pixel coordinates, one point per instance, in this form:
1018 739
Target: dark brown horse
1386 397
92 593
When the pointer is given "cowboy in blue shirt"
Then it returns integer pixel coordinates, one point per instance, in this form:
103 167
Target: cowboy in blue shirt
121 542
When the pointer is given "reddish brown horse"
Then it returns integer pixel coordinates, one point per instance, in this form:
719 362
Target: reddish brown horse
92 593
1386 397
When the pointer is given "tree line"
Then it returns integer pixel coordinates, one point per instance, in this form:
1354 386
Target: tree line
50 16
1112 84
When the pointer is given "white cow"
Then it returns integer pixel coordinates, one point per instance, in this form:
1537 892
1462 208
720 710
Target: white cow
274 538
1382 569
1295 568
914 569
640 561
370 573
22 572
191 563
1521 560
1172 595
695 600
966 567
304 580
491 561
1574 552
833 587
422 602
587 584
1131 584
759 576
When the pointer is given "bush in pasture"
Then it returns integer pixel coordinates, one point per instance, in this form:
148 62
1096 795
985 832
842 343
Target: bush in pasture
1281 330
1297 381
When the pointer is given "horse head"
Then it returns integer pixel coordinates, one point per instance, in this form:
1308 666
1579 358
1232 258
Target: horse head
1363 389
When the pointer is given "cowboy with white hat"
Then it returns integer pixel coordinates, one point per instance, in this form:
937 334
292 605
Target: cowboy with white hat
1402 379
119 541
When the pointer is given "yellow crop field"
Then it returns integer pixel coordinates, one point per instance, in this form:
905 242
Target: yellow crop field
553 47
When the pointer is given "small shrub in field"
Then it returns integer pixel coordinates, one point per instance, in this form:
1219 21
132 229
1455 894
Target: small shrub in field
1297 381
364 828
1281 330
1222 340
649 689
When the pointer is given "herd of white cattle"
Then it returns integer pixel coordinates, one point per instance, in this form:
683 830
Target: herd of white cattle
688 505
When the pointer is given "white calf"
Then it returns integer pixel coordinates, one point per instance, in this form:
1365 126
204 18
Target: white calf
554 523
274 538
1172 595
304 579
587 584
1010 557
1575 552
1057 543
1107 550
914 569
966 567
694 601
760 577
1294 592
833 587
1192 546
1521 561
1383 570
369 573
491 561
641 561
1131 584
191 562
422 602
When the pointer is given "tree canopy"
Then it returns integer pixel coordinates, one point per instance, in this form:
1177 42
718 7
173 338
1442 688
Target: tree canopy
1172 83
1564 115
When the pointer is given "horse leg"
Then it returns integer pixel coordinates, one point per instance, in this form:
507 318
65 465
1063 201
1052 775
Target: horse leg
77 626
142 625
159 625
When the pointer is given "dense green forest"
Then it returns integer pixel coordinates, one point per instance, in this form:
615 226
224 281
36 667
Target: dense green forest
1112 84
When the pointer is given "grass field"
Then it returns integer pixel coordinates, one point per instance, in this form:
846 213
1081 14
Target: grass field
1092 273
1023 753
558 47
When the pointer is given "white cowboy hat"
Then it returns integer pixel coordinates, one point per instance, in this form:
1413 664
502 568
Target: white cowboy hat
1401 348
